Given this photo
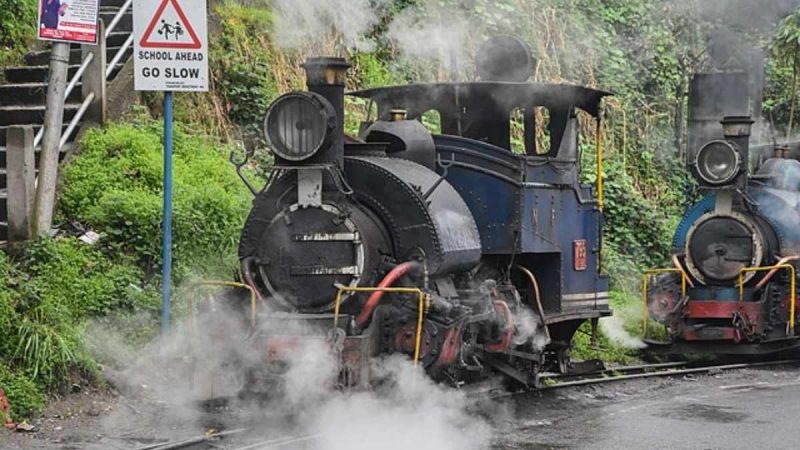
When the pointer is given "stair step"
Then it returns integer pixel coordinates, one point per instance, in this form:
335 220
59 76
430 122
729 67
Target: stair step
107 14
4 177
35 126
114 3
42 57
3 206
3 231
31 74
31 114
31 94
64 151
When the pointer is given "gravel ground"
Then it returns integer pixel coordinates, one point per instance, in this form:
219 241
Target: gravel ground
737 409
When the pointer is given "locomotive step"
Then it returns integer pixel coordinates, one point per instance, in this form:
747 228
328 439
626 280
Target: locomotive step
31 94
31 114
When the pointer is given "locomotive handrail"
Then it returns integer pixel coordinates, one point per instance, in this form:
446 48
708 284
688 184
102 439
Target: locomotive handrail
420 315
645 282
253 296
792 294
599 142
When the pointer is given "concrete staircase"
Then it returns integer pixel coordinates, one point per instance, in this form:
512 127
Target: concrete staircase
22 96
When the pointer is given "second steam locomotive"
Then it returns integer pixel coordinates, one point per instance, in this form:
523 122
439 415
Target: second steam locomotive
733 285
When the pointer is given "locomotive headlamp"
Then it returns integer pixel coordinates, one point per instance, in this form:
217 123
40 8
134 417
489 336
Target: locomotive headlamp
300 124
718 163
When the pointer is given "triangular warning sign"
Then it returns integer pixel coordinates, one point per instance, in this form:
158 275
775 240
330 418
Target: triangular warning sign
169 30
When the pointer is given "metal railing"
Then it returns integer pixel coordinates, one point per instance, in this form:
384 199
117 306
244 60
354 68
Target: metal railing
645 287
214 283
420 314
792 295
37 140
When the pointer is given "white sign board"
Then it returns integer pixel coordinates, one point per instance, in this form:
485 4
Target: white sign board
68 20
170 45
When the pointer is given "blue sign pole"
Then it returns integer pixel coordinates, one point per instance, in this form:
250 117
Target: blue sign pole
167 225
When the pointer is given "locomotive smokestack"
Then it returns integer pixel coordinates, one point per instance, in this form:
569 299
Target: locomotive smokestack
326 77
737 129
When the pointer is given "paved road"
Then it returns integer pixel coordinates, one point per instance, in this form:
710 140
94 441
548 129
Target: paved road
737 410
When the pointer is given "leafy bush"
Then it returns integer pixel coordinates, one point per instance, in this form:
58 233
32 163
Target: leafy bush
18 22
63 285
24 396
115 187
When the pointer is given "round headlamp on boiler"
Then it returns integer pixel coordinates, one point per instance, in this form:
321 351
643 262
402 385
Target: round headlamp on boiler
723 163
718 163
300 125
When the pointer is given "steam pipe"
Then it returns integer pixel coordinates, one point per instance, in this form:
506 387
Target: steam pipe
248 276
375 298
502 308
537 296
785 260
677 263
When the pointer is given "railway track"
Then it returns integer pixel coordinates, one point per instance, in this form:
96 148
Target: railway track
548 382
556 381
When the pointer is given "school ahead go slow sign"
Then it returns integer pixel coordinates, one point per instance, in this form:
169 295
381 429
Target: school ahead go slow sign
170 45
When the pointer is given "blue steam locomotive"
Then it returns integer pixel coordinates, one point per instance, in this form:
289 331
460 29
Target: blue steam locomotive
450 248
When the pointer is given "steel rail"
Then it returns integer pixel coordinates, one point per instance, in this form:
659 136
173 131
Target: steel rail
663 373
621 369
183 443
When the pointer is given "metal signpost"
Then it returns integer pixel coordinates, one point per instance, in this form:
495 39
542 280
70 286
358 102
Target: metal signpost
170 54
62 22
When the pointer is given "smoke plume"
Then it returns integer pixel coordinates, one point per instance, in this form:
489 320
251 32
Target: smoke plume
327 25
208 358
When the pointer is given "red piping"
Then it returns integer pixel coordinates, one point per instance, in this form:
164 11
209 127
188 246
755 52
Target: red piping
375 298
502 309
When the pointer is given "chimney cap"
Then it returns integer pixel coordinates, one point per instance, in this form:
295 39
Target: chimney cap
737 126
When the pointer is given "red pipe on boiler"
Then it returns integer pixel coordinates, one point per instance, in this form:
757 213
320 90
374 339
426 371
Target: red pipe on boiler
375 298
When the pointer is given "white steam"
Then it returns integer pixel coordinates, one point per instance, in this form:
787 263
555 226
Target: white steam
319 25
614 329
429 34
404 409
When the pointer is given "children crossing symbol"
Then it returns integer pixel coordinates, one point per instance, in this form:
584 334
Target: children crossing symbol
165 33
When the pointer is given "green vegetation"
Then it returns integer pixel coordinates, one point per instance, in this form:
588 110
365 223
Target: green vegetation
115 186
54 288
18 25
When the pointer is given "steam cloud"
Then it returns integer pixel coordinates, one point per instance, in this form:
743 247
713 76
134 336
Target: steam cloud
405 410
315 23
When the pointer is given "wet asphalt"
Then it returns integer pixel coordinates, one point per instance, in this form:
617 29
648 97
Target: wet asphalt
748 409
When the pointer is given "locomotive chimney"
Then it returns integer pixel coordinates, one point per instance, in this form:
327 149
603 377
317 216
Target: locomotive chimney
737 129
326 77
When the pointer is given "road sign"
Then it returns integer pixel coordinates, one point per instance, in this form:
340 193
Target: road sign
68 20
170 45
